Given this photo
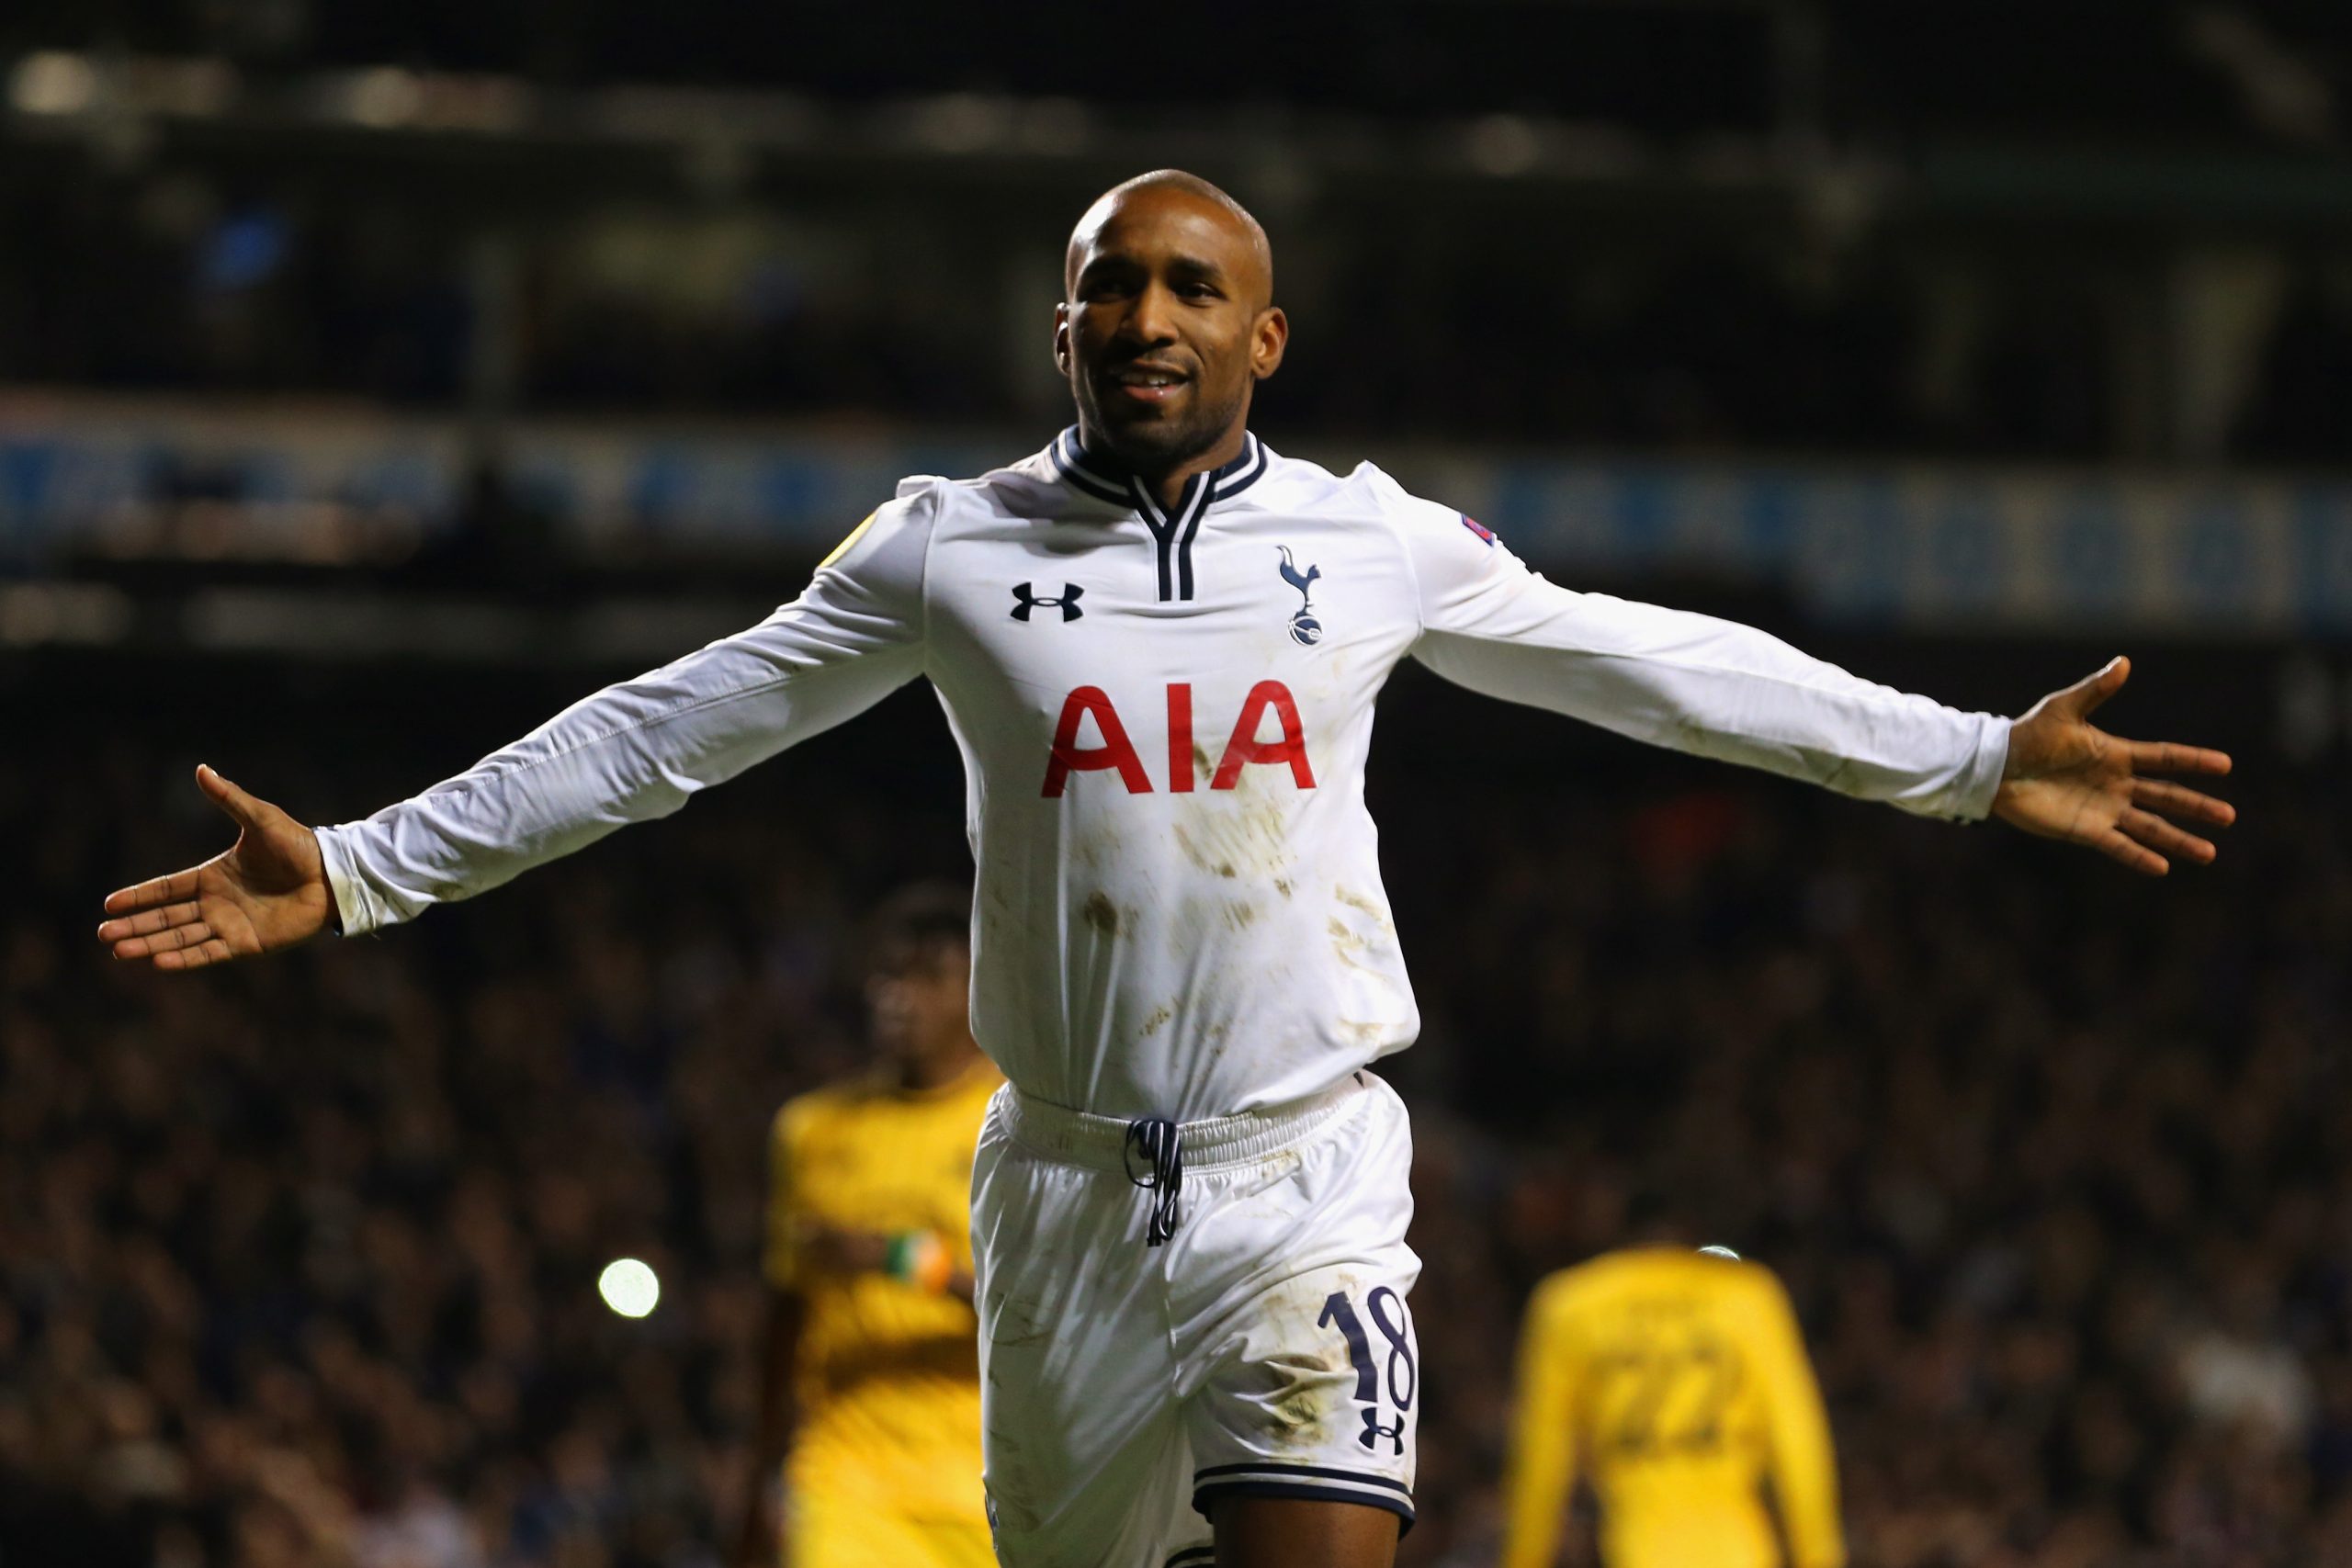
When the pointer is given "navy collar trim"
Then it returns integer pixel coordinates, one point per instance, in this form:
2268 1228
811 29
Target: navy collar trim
1076 466
1173 529
1106 478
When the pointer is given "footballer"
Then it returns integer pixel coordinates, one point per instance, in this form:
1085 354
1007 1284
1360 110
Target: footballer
1673 1384
1158 644
869 1449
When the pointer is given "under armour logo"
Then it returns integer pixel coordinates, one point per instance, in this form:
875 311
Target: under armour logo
1025 595
1374 1431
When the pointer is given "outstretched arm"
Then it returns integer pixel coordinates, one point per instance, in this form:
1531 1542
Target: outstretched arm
2067 779
633 751
1718 689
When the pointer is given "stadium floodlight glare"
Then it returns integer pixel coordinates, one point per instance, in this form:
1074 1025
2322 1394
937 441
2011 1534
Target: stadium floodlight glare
52 81
628 1287
1503 145
383 96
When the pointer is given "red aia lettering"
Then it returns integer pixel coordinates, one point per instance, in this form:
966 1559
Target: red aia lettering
1245 748
1180 738
1116 750
1241 750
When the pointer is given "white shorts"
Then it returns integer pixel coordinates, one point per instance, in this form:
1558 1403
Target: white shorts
1264 1350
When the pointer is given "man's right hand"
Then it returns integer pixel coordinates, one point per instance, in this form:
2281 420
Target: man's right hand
269 891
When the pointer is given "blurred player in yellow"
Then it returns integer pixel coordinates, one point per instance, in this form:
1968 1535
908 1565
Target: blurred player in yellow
1675 1384
869 1439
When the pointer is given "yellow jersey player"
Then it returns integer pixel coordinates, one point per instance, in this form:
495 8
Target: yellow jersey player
869 1438
1675 1384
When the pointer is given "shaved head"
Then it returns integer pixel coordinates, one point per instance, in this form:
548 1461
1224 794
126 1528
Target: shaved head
1107 207
1167 324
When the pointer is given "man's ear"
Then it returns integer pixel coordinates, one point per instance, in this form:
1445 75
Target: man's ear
1268 335
1061 339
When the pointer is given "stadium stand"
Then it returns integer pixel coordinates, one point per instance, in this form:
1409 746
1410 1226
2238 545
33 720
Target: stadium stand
298 1261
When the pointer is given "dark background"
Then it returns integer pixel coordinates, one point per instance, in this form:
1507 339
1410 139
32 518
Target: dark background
297 1260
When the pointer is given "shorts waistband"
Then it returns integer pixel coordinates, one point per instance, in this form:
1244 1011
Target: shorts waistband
1100 1143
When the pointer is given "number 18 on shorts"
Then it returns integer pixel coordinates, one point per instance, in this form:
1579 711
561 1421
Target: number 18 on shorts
1389 1373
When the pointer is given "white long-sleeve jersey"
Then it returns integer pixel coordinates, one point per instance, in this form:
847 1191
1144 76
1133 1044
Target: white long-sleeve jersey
1164 715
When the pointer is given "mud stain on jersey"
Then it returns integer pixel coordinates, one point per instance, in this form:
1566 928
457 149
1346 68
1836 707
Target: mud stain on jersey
1157 1021
1235 841
1355 901
1282 886
1102 914
1240 917
1217 1038
1346 945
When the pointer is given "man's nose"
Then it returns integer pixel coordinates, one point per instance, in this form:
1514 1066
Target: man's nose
1153 319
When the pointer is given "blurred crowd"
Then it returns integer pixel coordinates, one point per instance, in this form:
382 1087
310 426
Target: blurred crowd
1568 330
1942 65
298 1260
2101 230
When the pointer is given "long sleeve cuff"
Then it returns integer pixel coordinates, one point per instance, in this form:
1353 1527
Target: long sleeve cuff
1971 798
357 911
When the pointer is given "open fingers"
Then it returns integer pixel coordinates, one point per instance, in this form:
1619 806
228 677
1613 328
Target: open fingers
212 951
161 890
2161 836
2171 757
174 939
150 922
2114 844
2154 794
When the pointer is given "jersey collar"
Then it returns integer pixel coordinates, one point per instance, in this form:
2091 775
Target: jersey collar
1106 478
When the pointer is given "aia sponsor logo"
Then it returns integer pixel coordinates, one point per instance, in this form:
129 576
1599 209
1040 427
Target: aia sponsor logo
1116 753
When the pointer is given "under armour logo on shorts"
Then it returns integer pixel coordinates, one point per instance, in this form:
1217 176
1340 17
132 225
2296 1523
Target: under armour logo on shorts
1374 1431
1025 595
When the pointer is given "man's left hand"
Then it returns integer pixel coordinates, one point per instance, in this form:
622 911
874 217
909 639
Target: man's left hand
2068 779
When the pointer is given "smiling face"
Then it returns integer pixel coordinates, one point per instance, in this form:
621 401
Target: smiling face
1169 324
